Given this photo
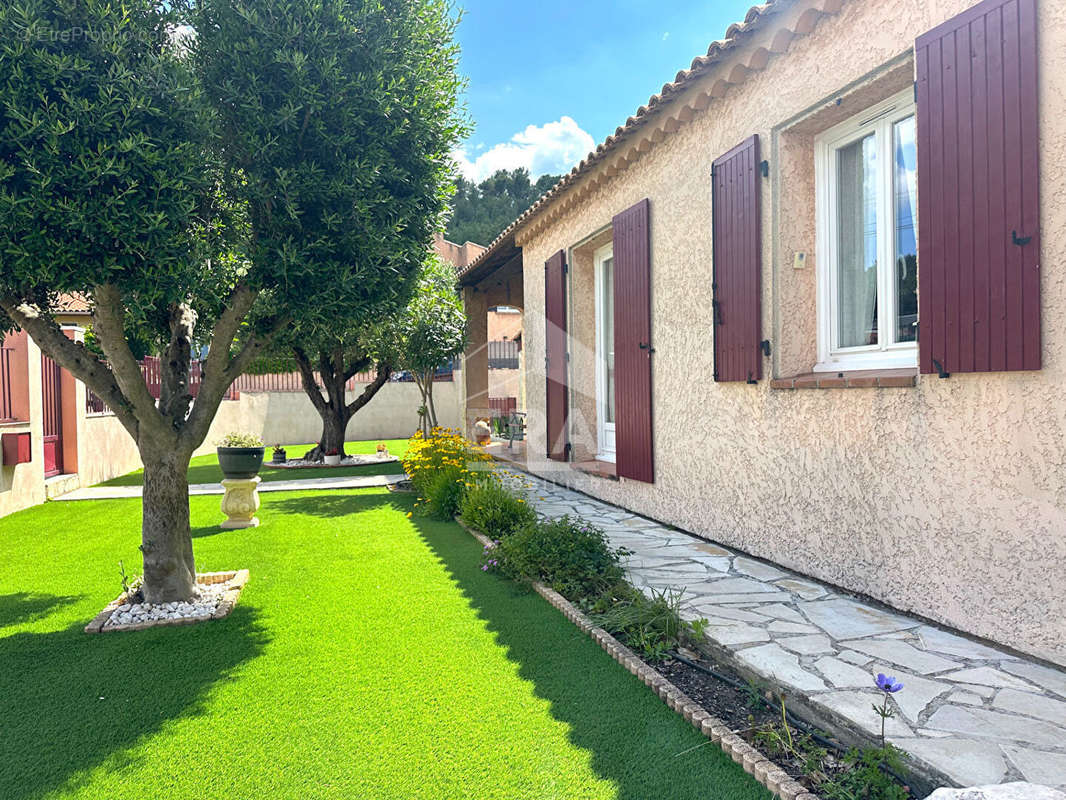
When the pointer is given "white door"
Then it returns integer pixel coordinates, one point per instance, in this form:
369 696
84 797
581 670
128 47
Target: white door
604 262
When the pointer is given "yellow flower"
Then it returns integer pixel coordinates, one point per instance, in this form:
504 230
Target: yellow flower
410 514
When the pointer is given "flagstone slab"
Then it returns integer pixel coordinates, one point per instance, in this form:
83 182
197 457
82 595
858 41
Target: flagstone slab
737 633
968 762
772 660
846 619
807 645
917 694
1052 680
780 626
857 706
948 643
737 585
984 724
757 569
842 674
902 654
805 589
1039 766
783 612
1033 705
987 676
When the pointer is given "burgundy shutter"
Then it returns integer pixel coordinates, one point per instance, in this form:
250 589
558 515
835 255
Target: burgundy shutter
737 264
632 343
978 192
555 367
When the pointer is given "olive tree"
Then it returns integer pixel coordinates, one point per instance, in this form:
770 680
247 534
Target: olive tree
292 148
326 362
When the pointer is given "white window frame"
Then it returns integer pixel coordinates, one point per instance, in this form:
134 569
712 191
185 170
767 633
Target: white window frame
605 431
877 119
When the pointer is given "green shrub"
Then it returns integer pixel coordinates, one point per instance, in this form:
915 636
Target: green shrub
442 490
650 625
569 555
494 510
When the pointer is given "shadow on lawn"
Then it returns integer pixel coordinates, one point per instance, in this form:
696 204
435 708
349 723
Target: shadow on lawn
70 701
633 739
22 607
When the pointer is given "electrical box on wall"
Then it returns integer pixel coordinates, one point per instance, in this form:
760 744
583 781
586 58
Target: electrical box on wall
799 261
16 447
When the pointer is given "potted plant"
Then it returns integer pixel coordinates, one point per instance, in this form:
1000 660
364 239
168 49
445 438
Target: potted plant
240 455
383 450
279 454
333 457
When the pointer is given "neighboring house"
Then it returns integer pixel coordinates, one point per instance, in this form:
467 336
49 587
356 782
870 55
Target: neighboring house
796 305
54 438
499 330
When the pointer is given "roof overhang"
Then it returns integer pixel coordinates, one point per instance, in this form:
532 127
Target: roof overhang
501 252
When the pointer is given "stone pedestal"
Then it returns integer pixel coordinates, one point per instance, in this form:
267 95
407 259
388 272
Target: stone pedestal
240 502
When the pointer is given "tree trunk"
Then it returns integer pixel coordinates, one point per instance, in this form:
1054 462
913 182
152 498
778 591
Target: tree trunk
166 540
334 424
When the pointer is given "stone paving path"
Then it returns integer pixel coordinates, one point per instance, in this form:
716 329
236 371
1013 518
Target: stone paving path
972 712
306 484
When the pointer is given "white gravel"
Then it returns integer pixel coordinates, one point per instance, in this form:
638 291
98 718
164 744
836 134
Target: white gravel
201 608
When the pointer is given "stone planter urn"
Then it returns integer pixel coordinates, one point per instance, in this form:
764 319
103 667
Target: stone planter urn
332 460
240 502
240 466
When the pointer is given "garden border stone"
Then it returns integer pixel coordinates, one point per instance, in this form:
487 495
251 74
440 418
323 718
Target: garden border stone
765 771
236 578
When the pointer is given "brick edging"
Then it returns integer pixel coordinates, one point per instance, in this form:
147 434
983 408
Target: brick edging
765 771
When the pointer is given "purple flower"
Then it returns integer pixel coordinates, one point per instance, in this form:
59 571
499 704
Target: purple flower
484 567
888 685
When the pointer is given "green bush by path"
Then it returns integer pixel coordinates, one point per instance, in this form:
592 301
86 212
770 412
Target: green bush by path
568 554
494 510
204 469
369 657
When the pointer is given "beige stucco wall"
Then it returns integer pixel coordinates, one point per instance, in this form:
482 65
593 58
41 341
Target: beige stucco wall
948 499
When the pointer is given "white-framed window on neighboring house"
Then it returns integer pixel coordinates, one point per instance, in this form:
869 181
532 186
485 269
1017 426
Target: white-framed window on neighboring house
603 260
866 184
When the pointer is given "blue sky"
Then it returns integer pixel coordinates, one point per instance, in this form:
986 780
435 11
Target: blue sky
549 80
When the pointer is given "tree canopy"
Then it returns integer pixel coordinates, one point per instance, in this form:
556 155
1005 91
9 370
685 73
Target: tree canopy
290 162
481 211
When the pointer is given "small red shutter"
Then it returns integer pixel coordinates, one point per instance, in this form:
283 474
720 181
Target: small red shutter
737 264
632 343
978 191
555 367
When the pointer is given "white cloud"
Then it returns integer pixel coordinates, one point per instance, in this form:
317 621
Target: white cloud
554 147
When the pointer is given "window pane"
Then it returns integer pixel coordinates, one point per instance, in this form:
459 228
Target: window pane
857 243
608 337
906 279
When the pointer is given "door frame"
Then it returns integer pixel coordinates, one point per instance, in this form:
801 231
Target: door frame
52 411
605 431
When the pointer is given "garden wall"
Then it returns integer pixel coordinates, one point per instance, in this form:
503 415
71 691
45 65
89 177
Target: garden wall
289 417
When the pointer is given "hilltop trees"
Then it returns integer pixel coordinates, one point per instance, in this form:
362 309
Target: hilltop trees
480 211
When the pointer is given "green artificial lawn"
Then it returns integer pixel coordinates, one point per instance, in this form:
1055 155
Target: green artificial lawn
204 469
369 657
